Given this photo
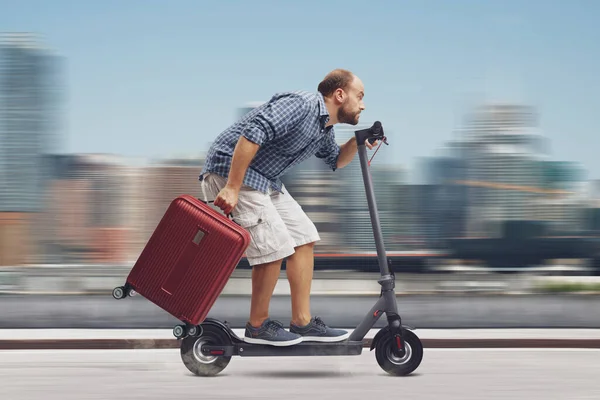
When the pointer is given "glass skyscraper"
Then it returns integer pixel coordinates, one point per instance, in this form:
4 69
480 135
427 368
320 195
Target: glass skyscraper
29 103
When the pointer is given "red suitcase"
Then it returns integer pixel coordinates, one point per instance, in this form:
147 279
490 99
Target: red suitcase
188 259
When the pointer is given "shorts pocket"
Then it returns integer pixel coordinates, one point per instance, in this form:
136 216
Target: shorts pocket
265 231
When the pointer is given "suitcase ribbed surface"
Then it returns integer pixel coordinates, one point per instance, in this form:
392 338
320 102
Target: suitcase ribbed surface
188 260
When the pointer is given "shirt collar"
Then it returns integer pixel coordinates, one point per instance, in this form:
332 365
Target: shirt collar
323 113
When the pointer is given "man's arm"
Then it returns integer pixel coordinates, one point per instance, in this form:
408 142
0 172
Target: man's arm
347 152
244 152
337 156
329 152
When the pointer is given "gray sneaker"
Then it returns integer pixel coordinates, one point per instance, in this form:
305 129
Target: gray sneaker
317 331
271 333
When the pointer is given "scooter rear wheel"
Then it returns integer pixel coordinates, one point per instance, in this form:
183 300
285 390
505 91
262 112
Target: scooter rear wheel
399 366
198 363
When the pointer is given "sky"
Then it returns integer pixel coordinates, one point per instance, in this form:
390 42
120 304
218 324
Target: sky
149 78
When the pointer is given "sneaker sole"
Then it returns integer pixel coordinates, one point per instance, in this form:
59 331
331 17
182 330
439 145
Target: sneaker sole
327 339
273 342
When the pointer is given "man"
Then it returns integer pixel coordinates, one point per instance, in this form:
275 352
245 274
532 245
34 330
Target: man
242 174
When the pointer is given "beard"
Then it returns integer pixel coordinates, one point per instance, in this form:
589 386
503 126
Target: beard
346 116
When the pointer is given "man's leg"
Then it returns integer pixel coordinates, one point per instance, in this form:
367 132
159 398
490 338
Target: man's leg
264 279
299 268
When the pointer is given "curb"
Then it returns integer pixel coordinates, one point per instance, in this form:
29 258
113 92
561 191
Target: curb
137 344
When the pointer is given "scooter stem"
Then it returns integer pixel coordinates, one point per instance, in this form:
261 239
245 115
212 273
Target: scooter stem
361 137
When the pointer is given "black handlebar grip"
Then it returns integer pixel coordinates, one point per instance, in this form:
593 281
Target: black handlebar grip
371 134
376 129
376 132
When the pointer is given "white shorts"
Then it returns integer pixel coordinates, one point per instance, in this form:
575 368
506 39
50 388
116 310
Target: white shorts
276 222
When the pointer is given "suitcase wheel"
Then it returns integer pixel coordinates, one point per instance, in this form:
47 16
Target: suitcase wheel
195 330
119 292
179 331
183 331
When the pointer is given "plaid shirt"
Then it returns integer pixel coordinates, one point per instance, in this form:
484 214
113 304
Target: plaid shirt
289 128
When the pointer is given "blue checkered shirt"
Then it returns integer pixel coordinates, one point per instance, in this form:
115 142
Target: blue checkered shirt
289 128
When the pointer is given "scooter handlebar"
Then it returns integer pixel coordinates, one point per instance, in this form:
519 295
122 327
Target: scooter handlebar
372 134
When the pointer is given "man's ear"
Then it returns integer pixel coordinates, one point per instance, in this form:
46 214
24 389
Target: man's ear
339 95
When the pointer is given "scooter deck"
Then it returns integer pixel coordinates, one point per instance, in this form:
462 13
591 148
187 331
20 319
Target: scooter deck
243 349
236 346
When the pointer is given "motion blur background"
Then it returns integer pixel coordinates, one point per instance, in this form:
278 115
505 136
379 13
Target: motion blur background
107 110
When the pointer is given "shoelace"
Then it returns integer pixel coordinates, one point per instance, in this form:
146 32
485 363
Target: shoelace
274 326
320 322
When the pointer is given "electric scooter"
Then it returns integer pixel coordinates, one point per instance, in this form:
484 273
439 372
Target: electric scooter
398 350
207 349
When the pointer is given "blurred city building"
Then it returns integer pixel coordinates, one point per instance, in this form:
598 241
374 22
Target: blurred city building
503 155
501 171
30 115
85 220
592 209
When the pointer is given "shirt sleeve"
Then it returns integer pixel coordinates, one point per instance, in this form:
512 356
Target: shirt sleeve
280 116
329 152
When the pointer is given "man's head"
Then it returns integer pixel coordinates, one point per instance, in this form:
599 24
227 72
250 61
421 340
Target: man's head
343 93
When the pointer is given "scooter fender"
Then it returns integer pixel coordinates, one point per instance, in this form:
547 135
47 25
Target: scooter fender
385 331
222 325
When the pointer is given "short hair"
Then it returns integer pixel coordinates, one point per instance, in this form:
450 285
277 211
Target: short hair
336 79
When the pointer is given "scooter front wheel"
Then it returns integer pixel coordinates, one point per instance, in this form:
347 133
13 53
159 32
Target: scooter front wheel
399 366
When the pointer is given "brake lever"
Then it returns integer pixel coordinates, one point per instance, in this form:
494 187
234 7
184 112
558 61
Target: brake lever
374 139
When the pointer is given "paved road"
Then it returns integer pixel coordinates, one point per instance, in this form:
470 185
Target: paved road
423 311
159 374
